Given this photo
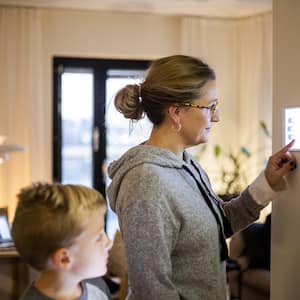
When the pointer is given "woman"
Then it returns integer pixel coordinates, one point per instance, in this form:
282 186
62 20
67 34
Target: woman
173 225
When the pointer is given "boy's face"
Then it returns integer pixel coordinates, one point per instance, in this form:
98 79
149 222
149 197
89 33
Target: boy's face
90 250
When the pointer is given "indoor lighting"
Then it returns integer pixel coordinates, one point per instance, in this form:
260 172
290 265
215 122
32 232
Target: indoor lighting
6 148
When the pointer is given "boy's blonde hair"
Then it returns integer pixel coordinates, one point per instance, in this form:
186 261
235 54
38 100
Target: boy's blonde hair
51 216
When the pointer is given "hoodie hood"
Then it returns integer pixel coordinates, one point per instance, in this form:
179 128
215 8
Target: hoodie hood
139 155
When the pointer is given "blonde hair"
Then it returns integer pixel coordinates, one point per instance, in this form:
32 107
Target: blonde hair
51 216
170 80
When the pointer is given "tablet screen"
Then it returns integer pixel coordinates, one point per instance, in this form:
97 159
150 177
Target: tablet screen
292 127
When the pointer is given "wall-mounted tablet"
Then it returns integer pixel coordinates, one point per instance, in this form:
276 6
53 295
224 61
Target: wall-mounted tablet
292 127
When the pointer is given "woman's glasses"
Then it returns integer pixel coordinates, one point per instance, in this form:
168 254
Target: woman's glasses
211 108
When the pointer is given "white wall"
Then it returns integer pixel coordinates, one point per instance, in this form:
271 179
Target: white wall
285 261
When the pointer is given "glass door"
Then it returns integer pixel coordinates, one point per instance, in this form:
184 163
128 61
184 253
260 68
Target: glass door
88 132
77 126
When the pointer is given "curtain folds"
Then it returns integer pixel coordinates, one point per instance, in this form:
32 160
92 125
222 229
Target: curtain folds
21 115
240 50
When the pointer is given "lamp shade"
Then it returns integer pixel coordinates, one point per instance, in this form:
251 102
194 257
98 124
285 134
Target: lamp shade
6 148
10 148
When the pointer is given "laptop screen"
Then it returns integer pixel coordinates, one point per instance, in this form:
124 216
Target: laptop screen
4 229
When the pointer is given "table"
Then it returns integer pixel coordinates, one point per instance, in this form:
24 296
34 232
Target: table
14 274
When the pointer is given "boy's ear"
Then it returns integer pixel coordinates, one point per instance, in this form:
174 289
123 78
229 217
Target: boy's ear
61 258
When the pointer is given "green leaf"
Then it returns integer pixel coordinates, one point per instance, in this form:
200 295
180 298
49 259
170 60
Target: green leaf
232 157
217 150
245 151
264 128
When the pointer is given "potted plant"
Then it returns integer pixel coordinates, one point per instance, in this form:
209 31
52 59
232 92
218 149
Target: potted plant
233 167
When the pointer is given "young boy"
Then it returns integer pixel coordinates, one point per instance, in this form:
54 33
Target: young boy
59 230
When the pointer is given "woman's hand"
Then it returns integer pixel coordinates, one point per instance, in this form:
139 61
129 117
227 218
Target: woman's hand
280 164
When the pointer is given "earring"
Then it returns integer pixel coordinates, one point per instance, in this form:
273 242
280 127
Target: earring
178 127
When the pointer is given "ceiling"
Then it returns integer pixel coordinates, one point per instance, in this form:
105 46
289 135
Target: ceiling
208 8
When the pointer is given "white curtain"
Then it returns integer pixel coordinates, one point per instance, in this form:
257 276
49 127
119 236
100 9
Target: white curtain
21 118
255 77
240 50
214 41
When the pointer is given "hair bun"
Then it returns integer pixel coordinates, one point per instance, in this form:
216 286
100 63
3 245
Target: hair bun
128 102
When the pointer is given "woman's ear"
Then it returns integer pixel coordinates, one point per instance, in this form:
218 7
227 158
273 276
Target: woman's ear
62 259
174 113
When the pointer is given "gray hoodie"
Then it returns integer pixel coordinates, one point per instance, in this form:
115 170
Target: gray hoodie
171 236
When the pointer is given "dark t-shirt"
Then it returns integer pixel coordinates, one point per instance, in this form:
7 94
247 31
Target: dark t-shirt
93 289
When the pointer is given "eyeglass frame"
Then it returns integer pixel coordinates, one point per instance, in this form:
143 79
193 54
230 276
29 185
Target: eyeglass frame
213 108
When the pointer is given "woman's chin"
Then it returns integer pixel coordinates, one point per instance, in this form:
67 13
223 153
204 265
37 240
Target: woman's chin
203 139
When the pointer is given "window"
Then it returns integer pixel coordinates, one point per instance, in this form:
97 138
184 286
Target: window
88 132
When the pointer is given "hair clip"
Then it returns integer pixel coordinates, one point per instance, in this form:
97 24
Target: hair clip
140 94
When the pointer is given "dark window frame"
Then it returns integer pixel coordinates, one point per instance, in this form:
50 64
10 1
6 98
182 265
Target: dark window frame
100 68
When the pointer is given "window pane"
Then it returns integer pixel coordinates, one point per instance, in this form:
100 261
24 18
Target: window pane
77 127
121 133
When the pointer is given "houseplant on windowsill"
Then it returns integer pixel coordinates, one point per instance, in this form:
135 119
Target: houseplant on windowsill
233 167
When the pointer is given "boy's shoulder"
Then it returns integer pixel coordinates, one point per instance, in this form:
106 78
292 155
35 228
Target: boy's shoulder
93 289
96 288
32 293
